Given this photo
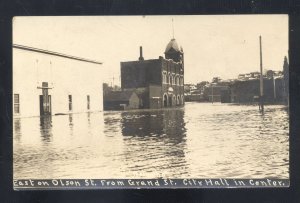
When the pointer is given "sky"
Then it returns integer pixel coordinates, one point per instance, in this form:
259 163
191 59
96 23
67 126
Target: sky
214 45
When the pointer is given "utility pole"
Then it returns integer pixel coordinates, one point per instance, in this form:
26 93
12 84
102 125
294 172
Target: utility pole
261 79
274 87
212 93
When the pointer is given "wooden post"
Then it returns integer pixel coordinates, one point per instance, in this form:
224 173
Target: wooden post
261 79
212 93
274 88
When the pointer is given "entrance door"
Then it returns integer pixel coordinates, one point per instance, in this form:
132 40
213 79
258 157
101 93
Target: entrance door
45 105
170 100
45 100
165 100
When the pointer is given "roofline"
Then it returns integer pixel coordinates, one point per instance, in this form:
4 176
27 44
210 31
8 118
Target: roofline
138 61
43 51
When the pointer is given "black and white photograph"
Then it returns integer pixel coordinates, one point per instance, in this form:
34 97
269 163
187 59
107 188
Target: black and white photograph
150 101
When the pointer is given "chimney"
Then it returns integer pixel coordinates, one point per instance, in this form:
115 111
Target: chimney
141 58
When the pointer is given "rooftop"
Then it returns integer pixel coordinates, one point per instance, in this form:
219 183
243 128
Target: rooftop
118 96
43 51
173 45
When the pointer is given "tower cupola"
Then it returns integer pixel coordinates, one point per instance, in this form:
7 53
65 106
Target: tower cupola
174 51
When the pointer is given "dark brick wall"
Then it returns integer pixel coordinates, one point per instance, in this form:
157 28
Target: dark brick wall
114 105
171 66
140 73
154 92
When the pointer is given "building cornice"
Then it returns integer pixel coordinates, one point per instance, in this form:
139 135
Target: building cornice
43 51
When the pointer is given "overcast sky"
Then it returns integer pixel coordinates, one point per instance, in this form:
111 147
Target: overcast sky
222 46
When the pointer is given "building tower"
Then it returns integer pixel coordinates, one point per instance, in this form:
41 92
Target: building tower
175 53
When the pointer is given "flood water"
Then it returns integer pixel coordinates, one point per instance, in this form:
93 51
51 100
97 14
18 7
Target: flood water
200 140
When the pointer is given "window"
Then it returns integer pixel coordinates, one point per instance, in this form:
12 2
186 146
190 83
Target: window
164 77
167 77
16 103
88 102
181 80
70 102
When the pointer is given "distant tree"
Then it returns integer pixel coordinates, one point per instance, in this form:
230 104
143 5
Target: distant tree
187 89
116 88
201 85
269 73
216 79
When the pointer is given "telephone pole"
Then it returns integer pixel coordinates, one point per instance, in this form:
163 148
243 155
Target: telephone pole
261 98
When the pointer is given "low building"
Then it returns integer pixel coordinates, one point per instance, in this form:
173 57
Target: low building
215 93
194 98
121 100
248 91
49 83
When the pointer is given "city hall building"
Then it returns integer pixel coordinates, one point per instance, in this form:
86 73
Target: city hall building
51 83
158 82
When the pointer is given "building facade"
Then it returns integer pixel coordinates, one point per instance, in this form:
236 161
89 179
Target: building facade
51 83
158 82
248 91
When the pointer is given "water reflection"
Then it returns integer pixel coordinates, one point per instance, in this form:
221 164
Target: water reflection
197 141
46 128
142 123
71 124
17 128
160 133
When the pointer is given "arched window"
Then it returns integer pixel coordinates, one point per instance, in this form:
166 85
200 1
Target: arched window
170 79
167 78
164 77
174 100
173 79
165 100
178 100
182 99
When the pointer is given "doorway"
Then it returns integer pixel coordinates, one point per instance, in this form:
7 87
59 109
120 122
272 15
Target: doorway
45 101
165 100
45 105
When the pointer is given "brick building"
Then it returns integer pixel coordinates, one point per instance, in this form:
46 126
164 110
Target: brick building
158 82
121 100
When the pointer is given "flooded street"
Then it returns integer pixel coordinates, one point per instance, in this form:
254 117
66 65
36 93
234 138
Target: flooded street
200 140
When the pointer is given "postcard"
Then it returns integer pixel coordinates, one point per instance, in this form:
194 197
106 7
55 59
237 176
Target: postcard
177 101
